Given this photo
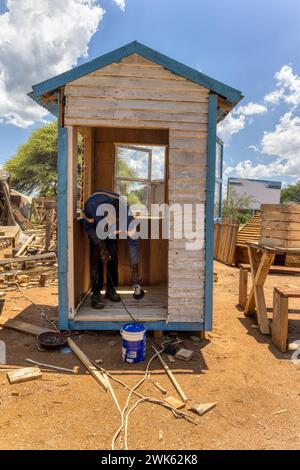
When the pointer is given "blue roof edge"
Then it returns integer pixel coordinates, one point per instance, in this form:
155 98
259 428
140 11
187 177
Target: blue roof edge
47 86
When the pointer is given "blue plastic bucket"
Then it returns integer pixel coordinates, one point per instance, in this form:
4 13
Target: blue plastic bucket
133 342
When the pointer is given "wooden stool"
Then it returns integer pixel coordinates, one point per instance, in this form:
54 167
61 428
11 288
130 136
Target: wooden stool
280 315
243 286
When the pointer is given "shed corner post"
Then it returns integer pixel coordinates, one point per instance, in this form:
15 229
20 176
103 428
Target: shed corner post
62 230
209 209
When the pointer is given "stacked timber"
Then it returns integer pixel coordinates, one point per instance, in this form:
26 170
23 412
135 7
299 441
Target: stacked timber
225 240
32 258
24 223
250 232
38 211
28 270
280 227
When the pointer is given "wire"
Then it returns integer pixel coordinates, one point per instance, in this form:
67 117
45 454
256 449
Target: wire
176 413
123 303
82 301
127 404
42 311
124 419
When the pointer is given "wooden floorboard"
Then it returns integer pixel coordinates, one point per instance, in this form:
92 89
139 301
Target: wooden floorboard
153 307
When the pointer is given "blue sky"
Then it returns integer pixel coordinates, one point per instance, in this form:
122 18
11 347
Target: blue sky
243 43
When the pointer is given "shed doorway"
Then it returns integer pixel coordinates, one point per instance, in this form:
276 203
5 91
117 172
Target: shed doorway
133 163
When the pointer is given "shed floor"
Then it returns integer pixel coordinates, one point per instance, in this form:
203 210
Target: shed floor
153 307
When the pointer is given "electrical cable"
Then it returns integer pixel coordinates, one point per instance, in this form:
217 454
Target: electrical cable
123 303
42 311
127 404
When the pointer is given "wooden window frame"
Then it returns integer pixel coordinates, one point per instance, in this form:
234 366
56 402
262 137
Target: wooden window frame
219 179
147 181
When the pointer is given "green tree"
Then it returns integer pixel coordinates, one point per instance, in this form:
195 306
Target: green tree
237 206
291 194
126 188
33 168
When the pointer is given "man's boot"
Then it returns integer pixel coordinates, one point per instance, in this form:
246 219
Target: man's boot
112 295
97 301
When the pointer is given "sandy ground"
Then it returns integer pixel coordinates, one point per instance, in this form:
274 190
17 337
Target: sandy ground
257 389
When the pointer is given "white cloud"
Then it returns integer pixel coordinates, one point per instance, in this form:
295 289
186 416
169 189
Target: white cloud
274 97
283 144
120 3
237 119
253 147
287 87
227 171
251 108
39 39
229 126
285 140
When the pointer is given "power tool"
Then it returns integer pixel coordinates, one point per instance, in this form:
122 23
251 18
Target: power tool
138 292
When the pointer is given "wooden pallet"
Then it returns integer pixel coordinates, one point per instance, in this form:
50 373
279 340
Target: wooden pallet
280 227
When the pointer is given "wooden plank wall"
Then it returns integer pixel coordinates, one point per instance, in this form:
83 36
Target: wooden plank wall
137 93
280 227
105 138
153 265
80 243
225 236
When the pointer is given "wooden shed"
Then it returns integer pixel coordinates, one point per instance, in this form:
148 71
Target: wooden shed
137 103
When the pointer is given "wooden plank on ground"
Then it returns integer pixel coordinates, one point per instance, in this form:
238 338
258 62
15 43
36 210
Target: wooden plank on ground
25 245
171 377
100 377
23 375
22 327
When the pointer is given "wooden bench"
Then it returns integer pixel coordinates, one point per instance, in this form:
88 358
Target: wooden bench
280 315
243 282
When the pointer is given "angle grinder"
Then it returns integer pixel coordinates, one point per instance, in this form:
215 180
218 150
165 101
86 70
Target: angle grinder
138 293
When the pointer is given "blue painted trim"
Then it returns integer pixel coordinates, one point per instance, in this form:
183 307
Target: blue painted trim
62 231
151 326
230 94
209 208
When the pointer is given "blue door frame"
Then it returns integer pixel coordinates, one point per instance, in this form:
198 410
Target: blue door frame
62 228
63 310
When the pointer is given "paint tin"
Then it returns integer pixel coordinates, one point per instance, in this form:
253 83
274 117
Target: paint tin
133 342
